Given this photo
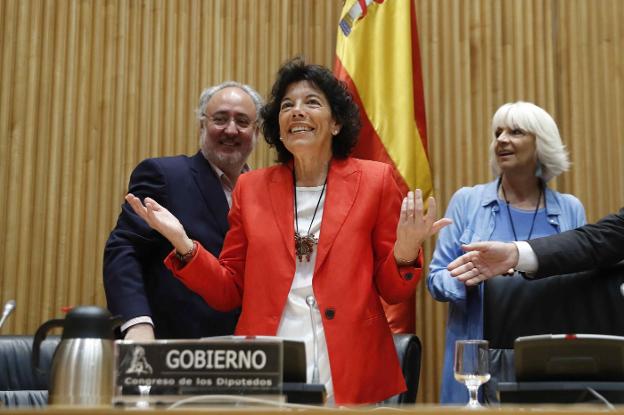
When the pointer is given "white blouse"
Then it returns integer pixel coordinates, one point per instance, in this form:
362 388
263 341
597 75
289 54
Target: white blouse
296 322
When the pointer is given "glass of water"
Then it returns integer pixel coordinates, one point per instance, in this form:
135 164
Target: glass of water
472 367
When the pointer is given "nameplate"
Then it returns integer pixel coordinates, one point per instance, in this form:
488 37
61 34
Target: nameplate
201 366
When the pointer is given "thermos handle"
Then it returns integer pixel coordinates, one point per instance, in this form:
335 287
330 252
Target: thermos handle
40 336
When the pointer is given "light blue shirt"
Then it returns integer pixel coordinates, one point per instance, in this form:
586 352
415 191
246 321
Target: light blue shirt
474 211
523 224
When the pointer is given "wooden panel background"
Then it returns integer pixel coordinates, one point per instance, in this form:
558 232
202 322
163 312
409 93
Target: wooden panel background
89 88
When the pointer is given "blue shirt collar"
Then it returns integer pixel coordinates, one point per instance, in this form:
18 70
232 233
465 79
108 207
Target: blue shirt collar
490 197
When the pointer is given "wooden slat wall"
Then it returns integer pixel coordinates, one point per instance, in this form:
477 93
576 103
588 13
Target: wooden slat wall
89 88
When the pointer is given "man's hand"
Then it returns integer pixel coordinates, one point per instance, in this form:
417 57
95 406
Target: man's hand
141 332
484 260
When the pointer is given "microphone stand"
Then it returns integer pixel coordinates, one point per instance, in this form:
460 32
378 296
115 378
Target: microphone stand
311 302
8 309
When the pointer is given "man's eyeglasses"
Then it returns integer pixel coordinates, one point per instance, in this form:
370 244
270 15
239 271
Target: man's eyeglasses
242 122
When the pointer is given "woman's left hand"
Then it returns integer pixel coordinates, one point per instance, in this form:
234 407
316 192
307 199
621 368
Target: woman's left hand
415 226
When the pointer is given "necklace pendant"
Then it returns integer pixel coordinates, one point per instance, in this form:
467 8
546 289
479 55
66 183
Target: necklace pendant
304 246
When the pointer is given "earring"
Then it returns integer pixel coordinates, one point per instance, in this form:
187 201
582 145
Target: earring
334 132
538 170
281 138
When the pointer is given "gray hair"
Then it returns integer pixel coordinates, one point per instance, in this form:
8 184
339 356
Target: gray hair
209 92
552 157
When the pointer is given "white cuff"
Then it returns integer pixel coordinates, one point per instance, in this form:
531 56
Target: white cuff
527 260
135 321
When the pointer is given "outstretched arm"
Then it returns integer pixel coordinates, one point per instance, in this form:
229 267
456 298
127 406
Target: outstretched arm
161 220
222 291
587 247
484 260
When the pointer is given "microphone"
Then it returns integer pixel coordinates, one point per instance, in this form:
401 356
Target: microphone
8 309
311 302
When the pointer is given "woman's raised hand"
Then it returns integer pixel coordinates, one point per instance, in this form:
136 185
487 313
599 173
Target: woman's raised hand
415 226
161 220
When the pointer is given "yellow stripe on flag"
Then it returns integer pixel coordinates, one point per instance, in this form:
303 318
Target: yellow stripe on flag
374 46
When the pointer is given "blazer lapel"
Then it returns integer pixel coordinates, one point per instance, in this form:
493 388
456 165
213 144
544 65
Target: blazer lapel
211 190
343 182
281 191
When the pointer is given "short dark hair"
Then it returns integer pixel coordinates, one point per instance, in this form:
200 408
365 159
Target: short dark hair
343 108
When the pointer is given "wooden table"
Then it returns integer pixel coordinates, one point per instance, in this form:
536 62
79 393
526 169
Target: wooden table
578 409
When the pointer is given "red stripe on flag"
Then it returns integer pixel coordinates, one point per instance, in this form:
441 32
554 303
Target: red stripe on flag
363 7
419 90
369 145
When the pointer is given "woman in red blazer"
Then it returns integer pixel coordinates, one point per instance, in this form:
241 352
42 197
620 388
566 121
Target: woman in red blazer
319 228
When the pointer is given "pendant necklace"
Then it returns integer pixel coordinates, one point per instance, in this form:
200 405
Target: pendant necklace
304 245
513 228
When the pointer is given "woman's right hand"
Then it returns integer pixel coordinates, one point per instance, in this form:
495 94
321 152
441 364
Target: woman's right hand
161 220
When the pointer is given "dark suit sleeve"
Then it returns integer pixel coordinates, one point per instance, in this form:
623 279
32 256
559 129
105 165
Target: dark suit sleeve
588 247
131 245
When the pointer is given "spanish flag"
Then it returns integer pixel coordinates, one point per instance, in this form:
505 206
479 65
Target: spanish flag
377 55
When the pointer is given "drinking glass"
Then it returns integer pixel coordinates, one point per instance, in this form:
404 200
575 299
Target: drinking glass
144 392
472 367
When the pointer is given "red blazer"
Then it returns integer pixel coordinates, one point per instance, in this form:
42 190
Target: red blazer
354 266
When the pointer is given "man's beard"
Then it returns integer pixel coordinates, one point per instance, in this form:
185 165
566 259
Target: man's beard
227 161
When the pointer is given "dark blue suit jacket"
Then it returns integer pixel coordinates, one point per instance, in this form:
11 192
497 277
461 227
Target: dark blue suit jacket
135 279
588 247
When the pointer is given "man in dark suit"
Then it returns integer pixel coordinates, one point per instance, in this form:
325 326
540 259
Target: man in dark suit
197 189
588 247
